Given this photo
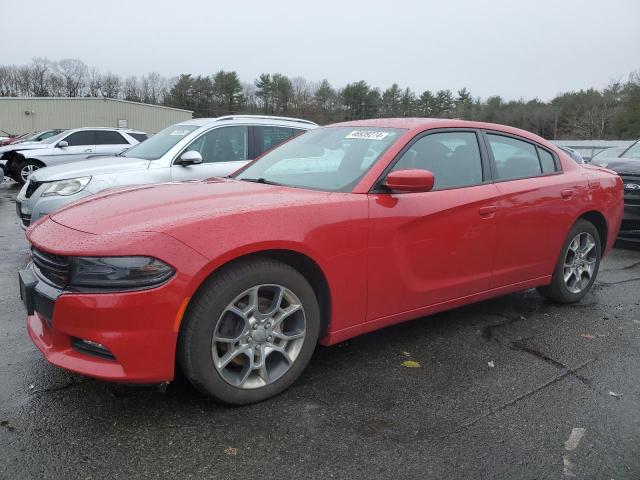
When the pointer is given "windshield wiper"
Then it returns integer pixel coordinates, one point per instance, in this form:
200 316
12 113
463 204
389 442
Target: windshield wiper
260 180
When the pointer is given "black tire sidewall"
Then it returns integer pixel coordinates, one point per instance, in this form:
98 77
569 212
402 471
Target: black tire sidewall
207 308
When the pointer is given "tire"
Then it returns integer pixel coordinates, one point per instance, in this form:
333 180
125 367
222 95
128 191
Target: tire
219 308
25 168
561 291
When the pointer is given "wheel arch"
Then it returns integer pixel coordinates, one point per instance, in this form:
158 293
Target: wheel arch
600 222
301 262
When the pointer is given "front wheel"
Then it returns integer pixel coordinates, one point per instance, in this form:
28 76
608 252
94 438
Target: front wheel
249 332
577 266
26 168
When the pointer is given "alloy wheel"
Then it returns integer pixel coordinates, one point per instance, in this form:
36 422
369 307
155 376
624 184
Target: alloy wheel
258 336
580 262
27 170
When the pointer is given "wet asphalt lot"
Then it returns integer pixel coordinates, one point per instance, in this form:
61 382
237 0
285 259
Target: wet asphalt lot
562 399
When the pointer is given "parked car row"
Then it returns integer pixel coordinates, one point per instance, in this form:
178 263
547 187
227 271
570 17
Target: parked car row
337 231
626 163
30 137
192 150
22 159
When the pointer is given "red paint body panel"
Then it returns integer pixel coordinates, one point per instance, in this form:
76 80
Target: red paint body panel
386 258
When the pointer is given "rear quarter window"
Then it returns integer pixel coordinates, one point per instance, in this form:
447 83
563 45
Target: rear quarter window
141 137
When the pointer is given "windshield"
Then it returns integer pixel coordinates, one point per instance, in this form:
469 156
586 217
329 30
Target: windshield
331 159
156 146
633 151
55 138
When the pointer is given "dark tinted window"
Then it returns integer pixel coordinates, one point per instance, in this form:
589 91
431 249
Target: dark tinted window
141 137
108 137
84 137
547 162
224 144
514 158
453 158
269 137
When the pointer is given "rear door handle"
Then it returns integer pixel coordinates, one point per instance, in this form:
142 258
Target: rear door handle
567 194
487 211
88 150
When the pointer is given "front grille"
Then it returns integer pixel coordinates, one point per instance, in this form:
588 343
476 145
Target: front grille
54 268
631 188
630 226
31 187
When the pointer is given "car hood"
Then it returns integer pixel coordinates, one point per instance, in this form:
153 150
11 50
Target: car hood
621 165
89 168
24 146
163 207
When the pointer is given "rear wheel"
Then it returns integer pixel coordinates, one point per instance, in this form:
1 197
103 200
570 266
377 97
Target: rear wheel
577 266
249 332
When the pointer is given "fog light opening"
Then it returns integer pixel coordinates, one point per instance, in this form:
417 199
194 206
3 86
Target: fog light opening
90 347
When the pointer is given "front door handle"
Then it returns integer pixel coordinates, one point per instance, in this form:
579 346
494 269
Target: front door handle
88 150
566 194
487 211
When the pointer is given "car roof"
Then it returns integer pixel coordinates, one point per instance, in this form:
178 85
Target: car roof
418 124
125 130
256 119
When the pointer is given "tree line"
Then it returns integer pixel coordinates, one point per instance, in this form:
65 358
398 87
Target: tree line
612 112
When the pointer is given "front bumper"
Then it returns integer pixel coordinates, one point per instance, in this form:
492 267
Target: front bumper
136 328
31 209
139 329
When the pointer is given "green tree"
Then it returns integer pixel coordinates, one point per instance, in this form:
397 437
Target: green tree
443 103
427 103
264 91
390 101
227 90
463 104
408 103
282 90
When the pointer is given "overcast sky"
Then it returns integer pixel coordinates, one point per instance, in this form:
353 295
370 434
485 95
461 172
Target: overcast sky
518 48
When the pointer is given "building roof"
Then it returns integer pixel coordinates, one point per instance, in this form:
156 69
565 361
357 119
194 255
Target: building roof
94 99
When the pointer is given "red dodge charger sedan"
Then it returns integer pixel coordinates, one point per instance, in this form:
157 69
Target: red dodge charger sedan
341 231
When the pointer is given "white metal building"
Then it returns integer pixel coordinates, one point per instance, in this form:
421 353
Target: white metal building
32 114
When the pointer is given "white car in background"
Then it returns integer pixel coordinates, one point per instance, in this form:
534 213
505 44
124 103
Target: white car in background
191 150
22 159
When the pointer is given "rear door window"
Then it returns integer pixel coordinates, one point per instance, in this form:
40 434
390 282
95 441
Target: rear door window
108 137
83 137
141 137
514 158
546 161
268 137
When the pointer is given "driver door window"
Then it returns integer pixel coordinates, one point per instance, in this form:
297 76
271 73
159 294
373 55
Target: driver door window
225 144
223 151
452 157
80 145
81 139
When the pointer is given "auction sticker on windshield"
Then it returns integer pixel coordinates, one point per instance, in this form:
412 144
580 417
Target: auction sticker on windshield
179 133
367 135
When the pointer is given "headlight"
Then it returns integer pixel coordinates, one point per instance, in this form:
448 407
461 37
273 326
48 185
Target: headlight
118 273
66 187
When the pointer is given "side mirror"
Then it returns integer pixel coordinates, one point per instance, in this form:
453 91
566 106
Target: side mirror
190 157
407 181
63 144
